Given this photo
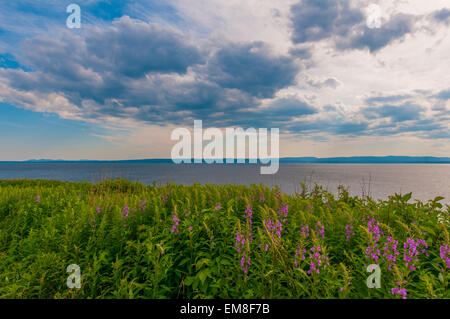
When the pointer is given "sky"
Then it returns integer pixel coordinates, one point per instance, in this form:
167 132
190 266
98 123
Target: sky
336 78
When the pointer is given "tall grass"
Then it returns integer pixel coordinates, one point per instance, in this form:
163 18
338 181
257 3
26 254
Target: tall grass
216 241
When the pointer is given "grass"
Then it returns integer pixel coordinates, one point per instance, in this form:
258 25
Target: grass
216 241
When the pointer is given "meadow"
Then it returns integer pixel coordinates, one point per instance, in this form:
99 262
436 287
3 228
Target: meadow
217 241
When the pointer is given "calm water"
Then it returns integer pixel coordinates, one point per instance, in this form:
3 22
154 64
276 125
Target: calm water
426 181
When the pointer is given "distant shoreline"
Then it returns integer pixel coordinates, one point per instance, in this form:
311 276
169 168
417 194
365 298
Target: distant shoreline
283 160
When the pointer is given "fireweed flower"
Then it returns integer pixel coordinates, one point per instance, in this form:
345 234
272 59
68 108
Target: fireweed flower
142 205
390 252
399 291
300 252
217 206
176 222
444 253
283 213
320 229
242 245
125 211
274 230
243 240
413 249
372 251
317 260
261 198
305 231
164 198
349 232
98 209
248 221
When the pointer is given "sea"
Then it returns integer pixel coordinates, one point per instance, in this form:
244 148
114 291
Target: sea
425 181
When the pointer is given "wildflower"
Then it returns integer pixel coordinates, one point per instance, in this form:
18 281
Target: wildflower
217 206
444 253
38 199
348 232
142 205
98 209
283 213
410 256
176 221
372 251
243 248
261 198
321 229
190 228
125 211
317 260
399 291
274 230
305 231
390 252
300 253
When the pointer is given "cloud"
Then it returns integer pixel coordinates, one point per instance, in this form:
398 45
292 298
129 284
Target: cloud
401 113
345 26
134 48
314 20
375 39
251 68
384 99
134 69
443 95
326 83
442 15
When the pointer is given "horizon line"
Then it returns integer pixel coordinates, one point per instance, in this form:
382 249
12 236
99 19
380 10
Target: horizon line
286 160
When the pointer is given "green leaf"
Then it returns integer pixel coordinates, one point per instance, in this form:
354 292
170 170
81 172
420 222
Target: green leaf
201 262
188 281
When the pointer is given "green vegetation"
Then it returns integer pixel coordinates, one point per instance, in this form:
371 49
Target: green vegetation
216 241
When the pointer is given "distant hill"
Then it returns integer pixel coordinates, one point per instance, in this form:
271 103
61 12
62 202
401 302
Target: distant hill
284 160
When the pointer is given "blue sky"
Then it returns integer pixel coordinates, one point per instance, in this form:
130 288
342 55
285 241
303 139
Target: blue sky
135 70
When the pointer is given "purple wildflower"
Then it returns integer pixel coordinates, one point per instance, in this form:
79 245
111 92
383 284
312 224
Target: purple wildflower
317 260
410 256
349 232
321 229
125 211
143 204
390 252
399 291
444 253
176 222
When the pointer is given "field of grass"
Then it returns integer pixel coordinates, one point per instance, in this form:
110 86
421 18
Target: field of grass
216 241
